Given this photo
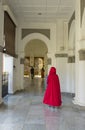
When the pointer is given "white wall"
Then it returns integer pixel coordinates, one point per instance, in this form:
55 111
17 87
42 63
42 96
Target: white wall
8 67
61 69
71 77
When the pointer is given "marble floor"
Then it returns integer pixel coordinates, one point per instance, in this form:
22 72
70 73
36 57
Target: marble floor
25 111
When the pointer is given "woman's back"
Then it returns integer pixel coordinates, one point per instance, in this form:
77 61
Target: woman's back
52 95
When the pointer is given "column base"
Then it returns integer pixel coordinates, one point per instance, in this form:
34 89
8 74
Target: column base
77 102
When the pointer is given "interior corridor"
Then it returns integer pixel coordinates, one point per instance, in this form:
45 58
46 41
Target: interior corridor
24 111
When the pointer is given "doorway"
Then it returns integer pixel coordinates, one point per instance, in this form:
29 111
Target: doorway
36 62
38 65
36 56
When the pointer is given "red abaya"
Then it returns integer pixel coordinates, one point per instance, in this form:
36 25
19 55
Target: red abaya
52 94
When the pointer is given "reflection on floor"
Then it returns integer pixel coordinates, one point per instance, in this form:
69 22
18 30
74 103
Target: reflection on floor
25 111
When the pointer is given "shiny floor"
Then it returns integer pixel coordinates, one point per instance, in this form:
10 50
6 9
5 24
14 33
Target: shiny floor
25 111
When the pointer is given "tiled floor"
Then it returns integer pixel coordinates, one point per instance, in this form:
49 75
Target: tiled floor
25 111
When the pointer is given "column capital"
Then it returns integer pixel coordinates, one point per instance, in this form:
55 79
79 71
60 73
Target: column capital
82 54
71 59
61 55
71 56
50 54
71 52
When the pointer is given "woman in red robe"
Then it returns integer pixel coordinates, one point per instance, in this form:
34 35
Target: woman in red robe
52 96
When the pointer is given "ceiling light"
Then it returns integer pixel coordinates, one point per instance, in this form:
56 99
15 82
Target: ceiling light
39 13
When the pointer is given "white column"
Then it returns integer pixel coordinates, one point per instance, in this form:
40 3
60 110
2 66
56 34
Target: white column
45 64
80 89
61 69
20 72
71 72
77 30
71 58
51 60
80 60
19 61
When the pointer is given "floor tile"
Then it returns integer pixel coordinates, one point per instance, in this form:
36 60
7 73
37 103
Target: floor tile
25 111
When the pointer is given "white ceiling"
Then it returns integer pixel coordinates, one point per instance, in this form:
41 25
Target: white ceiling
41 10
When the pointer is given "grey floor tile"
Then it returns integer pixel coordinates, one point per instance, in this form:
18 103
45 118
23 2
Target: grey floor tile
11 127
34 127
25 111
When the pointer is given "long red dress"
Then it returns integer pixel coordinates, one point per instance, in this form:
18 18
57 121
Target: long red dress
52 94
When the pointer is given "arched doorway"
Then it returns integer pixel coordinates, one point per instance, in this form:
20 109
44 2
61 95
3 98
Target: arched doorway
35 55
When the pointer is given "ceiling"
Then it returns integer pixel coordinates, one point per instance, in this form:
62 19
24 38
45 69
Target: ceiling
41 10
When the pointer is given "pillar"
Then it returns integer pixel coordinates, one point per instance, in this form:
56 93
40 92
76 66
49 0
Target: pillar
80 56
51 60
20 73
71 72
61 69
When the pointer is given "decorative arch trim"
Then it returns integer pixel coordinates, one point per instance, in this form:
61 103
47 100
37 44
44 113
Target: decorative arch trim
36 36
45 32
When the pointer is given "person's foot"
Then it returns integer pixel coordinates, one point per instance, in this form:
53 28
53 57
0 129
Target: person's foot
49 107
52 109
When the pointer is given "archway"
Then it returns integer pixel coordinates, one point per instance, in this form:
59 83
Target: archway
35 53
24 42
36 36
